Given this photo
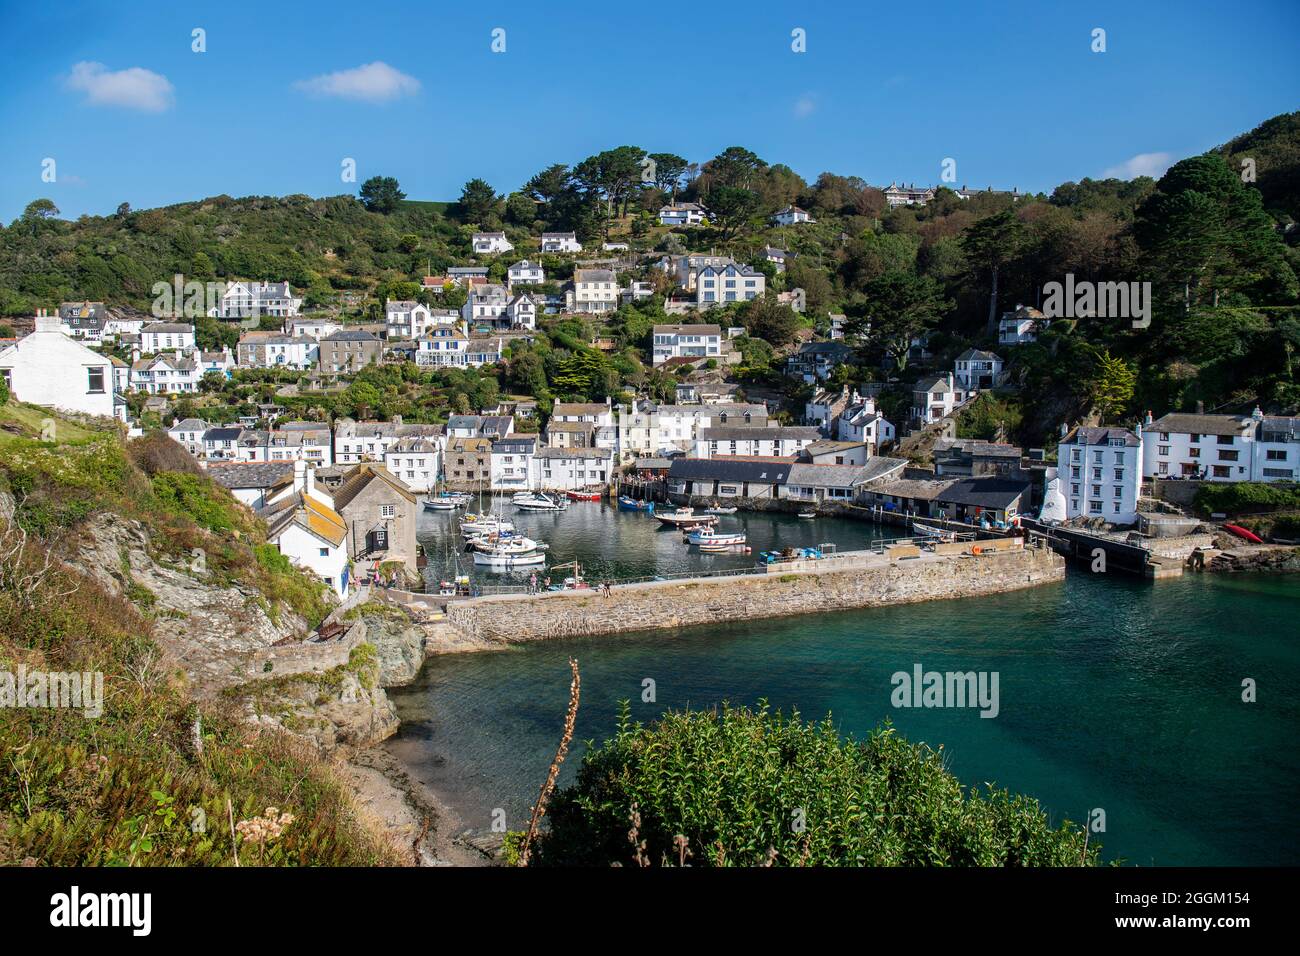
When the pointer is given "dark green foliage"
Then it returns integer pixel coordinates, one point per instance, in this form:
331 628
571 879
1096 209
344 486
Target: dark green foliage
751 788
1245 497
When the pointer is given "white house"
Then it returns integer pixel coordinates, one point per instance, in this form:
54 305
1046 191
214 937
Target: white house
406 319
512 463
730 441
188 433
934 398
486 305
614 247
48 368
166 336
525 272
311 534
1021 326
117 326
1100 471
896 195
491 243
560 242
166 373
218 363
222 443
414 461
1277 449
571 469
716 285
686 341
594 290
522 311
1222 447
593 413
650 430
977 369
862 421
355 442
312 328
243 300
444 346
791 215
682 214
283 351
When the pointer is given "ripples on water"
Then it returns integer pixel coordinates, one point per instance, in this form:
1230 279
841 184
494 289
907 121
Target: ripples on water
1115 693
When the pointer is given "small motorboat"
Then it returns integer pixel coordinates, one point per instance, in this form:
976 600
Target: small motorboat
707 535
505 544
441 504
807 514
485 524
933 534
582 495
686 516
719 511
496 559
631 504
539 502
737 548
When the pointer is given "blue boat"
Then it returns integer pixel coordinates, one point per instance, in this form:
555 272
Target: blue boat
631 504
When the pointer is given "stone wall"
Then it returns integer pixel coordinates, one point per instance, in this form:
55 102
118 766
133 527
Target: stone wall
1179 547
517 618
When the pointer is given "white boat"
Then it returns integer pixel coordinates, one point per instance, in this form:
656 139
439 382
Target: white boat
498 560
719 511
684 516
933 534
709 536
539 502
485 524
807 514
442 504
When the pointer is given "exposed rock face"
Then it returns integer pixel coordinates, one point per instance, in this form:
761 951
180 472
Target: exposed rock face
1259 557
397 639
215 633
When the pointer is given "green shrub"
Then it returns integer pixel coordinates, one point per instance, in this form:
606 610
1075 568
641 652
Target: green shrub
749 787
197 497
1232 498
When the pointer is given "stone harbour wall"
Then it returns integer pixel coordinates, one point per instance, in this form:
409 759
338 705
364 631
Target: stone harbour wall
516 618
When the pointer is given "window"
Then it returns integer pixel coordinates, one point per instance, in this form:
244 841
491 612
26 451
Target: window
96 379
1162 450
1275 455
387 511
324 552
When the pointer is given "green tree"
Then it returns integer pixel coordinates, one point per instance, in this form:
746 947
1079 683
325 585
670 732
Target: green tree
1110 384
989 245
381 194
732 208
900 306
478 202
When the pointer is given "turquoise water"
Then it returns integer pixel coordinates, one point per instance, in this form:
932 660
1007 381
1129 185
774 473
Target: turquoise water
1114 694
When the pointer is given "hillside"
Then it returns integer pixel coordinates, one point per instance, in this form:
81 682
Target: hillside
1219 253
99 572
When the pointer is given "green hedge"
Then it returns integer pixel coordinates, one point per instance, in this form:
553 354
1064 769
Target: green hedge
1246 496
749 787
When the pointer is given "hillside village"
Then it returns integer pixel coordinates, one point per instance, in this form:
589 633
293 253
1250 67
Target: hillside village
607 358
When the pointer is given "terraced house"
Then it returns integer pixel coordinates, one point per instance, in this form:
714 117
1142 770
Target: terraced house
349 351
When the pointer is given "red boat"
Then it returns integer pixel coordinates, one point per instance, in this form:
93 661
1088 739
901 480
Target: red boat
1245 533
582 495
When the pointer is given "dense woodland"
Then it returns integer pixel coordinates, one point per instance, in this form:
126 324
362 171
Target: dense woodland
1216 236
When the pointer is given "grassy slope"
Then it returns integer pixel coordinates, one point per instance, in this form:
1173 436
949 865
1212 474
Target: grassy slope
131 786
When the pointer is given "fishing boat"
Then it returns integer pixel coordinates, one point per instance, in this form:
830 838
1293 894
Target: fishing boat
738 547
719 511
537 501
582 495
500 560
707 535
686 516
933 534
631 504
807 514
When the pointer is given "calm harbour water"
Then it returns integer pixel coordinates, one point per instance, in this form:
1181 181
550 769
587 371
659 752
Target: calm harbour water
1115 693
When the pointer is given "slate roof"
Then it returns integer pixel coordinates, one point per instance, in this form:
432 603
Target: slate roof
760 433
990 492
775 471
1200 424
1102 436
361 477
251 474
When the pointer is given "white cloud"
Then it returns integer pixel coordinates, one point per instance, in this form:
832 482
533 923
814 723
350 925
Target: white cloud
1143 164
805 106
375 83
135 88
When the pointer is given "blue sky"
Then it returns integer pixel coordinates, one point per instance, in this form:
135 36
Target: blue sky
1012 91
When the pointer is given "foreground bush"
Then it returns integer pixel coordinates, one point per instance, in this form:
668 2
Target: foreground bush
1233 498
751 788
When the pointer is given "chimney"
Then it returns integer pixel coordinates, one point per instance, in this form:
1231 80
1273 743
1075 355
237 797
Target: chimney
309 480
1200 408
48 323
397 419
1149 419
300 475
